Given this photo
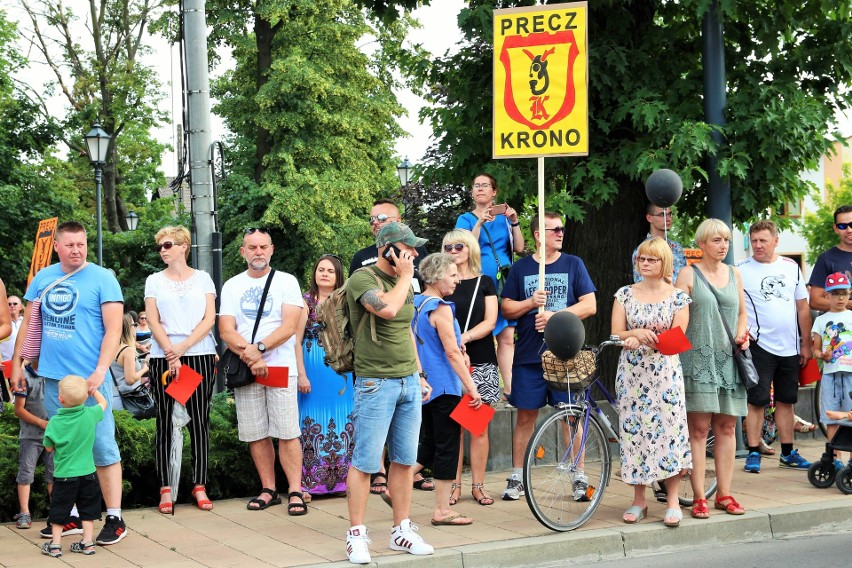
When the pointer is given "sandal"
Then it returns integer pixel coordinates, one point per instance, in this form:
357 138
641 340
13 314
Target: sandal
637 512
52 550
296 509
167 507
674 514
83 547
203 504
484 499
453 498
766 449
424 484
378 487
729 505
802 426
700 510
261 504
455 519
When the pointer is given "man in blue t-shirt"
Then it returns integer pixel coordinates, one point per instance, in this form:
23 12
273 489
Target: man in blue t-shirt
835 259
567 287
81 317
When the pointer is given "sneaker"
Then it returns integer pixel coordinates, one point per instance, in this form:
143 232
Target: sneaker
514 489
794 461
356 545
404 537
752 464
52 550
114 530
581 487
73 526
24 521
838 465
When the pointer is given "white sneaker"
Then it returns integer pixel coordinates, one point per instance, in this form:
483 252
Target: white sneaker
405 537
514 489
356 545
581 486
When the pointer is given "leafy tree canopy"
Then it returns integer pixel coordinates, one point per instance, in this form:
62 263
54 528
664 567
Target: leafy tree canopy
818 227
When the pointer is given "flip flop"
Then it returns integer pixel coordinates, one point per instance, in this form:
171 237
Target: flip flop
638 513
261 504
672 514
454 520
378 487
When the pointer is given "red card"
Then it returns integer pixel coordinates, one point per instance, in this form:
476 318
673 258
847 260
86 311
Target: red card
810 373
185 385
7 368
277 377
673 341
474 420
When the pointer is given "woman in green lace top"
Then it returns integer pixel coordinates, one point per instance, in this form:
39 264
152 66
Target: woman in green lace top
714 395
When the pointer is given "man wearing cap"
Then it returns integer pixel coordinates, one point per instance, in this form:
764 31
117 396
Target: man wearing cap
835 259
389 389
779 319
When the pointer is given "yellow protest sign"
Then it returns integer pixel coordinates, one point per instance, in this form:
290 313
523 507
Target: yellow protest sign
541 81
43 249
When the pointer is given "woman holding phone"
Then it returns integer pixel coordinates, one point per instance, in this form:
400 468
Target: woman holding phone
498 231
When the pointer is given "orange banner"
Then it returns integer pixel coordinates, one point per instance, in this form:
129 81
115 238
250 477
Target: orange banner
43 250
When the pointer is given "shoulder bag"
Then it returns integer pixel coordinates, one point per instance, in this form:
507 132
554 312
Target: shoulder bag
31 347
137 400
235 372
742 357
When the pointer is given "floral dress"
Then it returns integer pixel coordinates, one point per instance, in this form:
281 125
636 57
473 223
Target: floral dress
654 440
325 416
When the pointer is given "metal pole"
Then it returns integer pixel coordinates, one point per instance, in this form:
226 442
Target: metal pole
200 137
98 183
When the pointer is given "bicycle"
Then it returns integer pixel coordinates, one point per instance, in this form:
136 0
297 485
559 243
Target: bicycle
567 464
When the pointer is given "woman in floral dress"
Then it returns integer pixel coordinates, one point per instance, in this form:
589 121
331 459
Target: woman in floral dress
325 398
649 385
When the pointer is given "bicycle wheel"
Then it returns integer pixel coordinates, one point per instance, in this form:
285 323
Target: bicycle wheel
817 406
558 461
685 496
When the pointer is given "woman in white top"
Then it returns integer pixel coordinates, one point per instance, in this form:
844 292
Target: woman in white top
180 304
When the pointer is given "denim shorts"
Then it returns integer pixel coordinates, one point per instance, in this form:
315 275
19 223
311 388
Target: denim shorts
386 410
106 448
834 394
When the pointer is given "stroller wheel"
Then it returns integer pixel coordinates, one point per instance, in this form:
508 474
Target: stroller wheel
844 480
821 474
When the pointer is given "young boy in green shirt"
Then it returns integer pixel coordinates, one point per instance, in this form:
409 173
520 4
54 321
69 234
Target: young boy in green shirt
71 435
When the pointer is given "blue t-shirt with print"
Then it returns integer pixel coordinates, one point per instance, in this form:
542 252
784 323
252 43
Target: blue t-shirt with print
72 324
566 279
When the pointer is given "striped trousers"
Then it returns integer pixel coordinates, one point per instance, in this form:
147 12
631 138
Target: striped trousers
198 408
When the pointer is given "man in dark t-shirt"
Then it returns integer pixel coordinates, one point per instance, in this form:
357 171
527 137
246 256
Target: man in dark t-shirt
835 259
384 211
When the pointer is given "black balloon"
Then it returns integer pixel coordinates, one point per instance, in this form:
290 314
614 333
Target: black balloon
564 335
663 188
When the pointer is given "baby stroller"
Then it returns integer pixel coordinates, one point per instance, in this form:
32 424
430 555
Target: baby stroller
822 473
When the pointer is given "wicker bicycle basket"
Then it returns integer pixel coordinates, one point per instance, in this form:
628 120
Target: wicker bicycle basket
574 374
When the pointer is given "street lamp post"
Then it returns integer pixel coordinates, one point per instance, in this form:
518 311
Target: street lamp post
132 219
403 171
97 144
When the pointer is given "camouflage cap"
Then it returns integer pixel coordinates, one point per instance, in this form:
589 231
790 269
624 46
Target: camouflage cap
398 233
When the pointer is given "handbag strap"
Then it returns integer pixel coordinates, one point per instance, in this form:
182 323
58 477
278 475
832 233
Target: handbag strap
472 301
262 302
61 279
493 250
718 304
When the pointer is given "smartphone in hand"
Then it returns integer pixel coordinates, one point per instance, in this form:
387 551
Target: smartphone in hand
499 209
388 256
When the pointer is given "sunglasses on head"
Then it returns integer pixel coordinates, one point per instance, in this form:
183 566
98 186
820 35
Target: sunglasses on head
843 226
165 245
252 230
557 230
329 255
454 247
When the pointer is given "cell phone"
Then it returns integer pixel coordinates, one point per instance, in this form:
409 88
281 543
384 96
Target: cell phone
388 256
499 209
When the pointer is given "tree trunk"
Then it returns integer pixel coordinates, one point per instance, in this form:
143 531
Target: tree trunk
264 34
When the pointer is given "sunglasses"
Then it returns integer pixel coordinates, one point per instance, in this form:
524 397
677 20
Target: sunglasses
253 230
557 230
166 245
843 226
329 255
649 259
458 247
379 218
14 304
143 319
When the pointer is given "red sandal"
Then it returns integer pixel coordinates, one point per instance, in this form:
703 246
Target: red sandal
729 505
203 504
167 508
700 510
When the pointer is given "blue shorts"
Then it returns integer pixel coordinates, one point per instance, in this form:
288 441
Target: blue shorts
105 450
386 410
834 394
529 389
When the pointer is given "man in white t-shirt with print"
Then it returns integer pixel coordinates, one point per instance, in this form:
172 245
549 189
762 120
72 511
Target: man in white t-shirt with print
779 320
266 412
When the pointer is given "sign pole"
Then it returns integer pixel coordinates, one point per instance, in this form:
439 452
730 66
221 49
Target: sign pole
541 231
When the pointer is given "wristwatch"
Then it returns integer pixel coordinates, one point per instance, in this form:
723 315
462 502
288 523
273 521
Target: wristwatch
261 347
423 375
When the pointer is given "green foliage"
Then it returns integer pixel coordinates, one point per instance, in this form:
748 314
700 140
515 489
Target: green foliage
818 226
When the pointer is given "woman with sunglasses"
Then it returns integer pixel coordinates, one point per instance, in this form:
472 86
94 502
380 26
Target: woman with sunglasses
649 385
325 398
143 336
498 232
715 397
476 313
180 305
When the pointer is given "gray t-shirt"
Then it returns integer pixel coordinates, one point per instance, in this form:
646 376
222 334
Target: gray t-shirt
34 405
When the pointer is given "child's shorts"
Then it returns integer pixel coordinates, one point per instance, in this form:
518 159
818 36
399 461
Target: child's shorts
28 453
84 490
835 394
